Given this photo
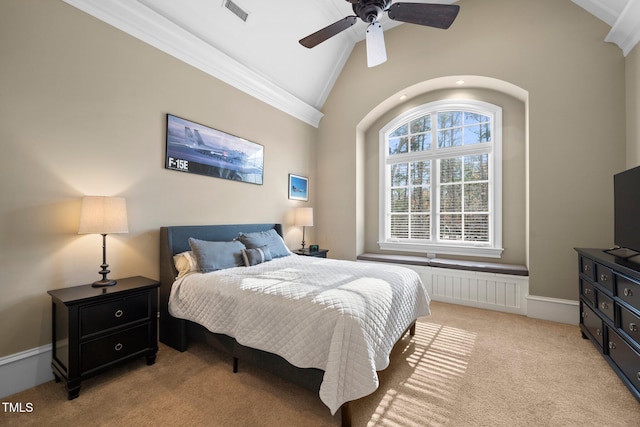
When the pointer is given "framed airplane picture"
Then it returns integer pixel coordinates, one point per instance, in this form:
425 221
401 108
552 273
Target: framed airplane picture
199 149
298 187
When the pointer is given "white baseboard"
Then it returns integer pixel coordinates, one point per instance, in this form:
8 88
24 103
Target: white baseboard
24 370
554 309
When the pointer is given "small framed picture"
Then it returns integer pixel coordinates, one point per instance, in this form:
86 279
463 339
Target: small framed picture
313 248
298 187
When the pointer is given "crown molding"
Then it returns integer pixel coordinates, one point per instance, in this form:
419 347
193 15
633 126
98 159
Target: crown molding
625 32
143 23
624 21
604 11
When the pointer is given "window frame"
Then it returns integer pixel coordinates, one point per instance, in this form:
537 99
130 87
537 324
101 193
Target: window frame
493 248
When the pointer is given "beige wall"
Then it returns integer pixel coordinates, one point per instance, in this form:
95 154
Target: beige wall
633 106
575 84
83 110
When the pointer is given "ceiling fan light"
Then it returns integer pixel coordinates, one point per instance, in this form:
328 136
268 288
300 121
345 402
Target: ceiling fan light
376 51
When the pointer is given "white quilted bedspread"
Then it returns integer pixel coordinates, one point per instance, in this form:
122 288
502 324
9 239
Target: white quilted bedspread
339 316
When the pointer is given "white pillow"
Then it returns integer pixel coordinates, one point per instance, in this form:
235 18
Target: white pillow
185 263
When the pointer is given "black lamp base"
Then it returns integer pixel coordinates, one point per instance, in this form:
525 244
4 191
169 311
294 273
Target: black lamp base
105 268
303 243
102 283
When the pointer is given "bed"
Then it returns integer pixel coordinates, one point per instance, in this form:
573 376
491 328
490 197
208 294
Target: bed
326 325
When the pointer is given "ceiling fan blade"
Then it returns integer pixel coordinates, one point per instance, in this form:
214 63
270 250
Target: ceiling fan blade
318 37
431 15
376 51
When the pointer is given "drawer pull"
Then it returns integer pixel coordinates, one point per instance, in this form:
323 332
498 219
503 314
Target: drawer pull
598 332
587 267
587 291
633 327
604 306
119 313
604 277
612 345
627 292
118 347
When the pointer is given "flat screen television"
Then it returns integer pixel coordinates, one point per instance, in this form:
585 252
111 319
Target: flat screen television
626 189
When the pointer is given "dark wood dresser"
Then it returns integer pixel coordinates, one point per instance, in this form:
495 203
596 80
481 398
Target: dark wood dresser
610 311
96 328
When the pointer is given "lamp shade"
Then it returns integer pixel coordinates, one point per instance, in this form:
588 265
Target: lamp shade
103 215
304 217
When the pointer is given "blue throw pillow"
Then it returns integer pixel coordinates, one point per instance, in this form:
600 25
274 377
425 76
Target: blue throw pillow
256 256
269 238
212 256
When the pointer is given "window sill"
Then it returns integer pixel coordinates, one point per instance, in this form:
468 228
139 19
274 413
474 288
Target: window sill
479 251
482 267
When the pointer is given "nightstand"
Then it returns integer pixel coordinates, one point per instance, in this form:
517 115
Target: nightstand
320 253
96 328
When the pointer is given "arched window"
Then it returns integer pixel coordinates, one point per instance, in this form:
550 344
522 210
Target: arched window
441 179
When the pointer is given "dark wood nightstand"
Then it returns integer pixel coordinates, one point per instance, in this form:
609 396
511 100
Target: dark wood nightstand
96 328
320 253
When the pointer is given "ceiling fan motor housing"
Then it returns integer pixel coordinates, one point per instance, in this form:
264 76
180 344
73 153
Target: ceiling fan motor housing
370 10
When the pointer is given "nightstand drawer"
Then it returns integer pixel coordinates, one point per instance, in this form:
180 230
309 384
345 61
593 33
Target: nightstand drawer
101 317
112 348
593 323
627 359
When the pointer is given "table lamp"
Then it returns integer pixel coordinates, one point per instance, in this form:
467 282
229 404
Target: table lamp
103 215
304 218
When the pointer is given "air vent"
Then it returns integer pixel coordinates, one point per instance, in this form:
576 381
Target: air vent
237 10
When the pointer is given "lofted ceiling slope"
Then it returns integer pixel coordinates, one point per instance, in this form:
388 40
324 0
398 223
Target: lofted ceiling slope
261 55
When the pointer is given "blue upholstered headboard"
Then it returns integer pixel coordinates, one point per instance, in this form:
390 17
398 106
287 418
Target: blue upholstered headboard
175 239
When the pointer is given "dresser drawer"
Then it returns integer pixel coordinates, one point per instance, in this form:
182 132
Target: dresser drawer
112 348
628 291
587 267
625 357
605 305
115 313
630 323
593 323
604 277
588 291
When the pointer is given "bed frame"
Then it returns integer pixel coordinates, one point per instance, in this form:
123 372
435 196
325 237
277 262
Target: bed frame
177 333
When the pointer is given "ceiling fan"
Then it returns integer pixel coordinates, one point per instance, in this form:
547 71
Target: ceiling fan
370 11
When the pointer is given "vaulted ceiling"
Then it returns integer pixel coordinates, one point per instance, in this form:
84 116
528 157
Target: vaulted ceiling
261 55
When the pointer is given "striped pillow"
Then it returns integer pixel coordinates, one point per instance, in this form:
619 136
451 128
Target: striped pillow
256 256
